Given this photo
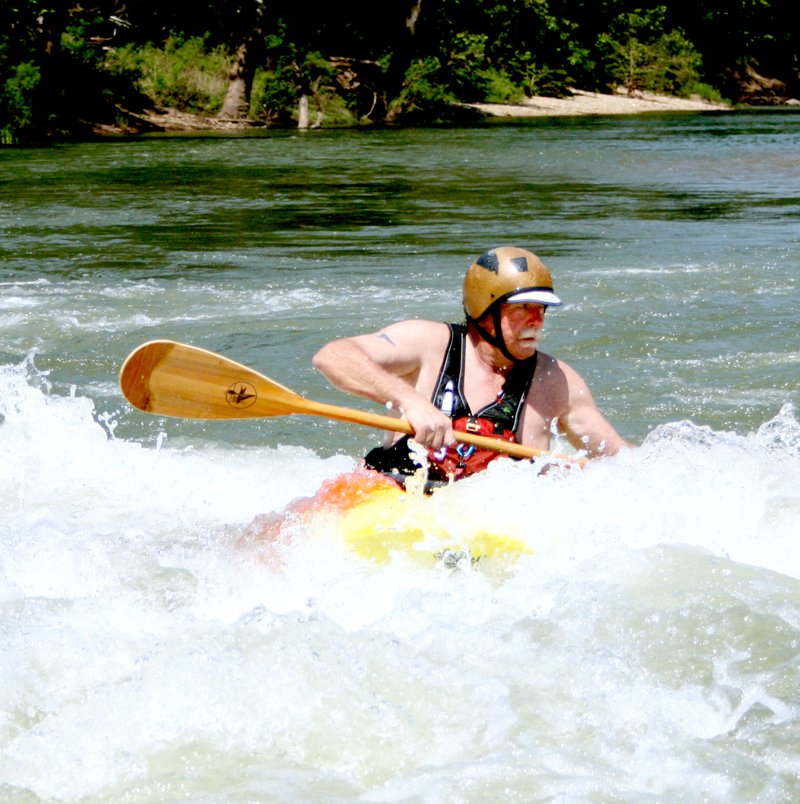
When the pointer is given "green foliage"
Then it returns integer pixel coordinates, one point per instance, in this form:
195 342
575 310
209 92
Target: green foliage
53 82
470 77
676 65
545 80
466 67
708 93
334 109
291 73
641 56
424 91
499 88
538 48
183 74
17 100
316 78
276 95
66 66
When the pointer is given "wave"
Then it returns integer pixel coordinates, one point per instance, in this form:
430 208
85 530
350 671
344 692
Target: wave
644 647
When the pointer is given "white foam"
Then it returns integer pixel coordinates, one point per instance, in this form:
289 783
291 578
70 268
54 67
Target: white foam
650 630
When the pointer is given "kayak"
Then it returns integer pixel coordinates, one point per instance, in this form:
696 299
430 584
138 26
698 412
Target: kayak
378 520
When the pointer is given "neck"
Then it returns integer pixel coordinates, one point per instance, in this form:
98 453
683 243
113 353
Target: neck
489 355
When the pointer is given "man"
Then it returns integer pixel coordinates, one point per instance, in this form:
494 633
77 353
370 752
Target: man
485 376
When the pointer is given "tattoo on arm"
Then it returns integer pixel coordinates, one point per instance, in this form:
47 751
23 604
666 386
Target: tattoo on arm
385 337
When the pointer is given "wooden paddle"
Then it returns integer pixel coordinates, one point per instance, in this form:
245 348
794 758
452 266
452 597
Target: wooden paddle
174 379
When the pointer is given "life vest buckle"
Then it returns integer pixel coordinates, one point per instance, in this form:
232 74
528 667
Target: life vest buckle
472 426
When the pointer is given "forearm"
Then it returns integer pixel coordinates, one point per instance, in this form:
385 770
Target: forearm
595 436
611 444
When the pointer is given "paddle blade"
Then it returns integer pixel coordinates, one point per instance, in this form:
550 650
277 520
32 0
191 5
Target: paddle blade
175 379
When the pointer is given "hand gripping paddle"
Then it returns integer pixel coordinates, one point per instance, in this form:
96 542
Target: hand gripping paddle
174 379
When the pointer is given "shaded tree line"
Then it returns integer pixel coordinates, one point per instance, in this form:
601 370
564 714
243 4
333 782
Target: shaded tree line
66 65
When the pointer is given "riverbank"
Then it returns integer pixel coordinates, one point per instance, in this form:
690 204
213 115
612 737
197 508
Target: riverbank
595 103
579 103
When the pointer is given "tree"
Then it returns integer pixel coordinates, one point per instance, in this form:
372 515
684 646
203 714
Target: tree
249 53
641 55
735 38
52 78
379 62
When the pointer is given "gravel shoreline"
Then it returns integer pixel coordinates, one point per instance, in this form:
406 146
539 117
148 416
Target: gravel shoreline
595 103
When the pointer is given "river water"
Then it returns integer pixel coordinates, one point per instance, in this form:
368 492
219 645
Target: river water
647 648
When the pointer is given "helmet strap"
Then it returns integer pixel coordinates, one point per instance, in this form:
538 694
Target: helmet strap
497 339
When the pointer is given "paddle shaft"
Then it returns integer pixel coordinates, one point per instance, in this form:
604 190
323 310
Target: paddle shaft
396 425
174 379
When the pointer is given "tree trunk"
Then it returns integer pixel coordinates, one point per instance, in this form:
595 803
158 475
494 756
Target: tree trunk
51 87
302 112
240 83
413 16
402 54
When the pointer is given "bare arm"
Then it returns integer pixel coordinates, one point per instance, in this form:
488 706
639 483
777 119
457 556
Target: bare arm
389 367
584 425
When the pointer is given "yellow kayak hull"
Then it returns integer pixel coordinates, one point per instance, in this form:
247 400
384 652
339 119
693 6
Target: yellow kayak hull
378 520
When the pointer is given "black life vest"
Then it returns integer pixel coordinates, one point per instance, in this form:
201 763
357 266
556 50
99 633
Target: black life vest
499 419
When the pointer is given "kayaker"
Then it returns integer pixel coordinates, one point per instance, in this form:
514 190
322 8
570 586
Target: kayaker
485 375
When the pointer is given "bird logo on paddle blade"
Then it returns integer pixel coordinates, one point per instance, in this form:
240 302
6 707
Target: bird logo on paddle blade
241 395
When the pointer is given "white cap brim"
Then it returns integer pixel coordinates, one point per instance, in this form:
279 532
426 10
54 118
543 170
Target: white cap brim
533 296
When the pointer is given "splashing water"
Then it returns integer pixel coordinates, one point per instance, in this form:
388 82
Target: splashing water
645 647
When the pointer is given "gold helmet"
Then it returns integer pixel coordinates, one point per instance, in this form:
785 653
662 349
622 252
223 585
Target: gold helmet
506 275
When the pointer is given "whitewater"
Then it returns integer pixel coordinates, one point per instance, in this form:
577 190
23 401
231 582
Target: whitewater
645 649
156 647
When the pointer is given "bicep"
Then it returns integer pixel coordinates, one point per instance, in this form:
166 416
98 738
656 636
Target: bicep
399 348
584 424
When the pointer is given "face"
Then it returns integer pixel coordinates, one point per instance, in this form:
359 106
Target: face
522 328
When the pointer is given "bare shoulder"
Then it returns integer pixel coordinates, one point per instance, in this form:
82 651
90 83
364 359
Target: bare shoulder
559 391
552 382
414 329
559 376
405 345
